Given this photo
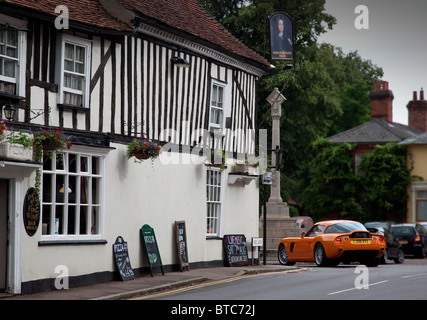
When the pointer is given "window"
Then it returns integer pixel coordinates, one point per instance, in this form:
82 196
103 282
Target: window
214 201
217 106
421 205
358 158
75 62
11 53
72 197
315 231
345 227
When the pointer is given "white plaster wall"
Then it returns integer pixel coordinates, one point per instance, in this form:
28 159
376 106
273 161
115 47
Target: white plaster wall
148 193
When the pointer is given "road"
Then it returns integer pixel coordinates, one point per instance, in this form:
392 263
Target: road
407 281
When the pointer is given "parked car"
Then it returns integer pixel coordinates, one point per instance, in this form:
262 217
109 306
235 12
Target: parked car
424 225
328 243
385 224
394 250
413 238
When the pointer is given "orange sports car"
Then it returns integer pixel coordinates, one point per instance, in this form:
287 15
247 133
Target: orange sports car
328 243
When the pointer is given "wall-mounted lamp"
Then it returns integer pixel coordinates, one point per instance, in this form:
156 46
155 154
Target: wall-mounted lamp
180 62
9 111
288 67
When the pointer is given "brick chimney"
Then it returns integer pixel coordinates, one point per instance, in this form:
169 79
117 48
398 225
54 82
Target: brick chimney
417 112
382 102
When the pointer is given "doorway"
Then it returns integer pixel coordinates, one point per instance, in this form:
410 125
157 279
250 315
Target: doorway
4 194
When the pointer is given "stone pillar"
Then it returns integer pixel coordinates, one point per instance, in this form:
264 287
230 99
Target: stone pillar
275 204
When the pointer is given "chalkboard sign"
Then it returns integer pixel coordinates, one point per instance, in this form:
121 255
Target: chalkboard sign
149 241
121 256
181 244
31 212
235 250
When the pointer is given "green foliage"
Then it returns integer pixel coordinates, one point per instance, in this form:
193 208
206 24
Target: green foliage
19 138
329 94
330 184
385 180
380 193
356 107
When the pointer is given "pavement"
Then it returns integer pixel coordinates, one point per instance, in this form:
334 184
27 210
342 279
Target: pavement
118 290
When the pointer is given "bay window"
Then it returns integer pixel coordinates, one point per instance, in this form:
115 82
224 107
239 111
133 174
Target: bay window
72 196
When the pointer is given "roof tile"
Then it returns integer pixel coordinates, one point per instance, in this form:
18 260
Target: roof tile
184 15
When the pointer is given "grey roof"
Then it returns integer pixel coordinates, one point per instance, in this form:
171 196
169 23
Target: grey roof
376 131
420 139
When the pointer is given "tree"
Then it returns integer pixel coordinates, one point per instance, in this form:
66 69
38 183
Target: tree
330 91
385 177
378 193
330 186
355 105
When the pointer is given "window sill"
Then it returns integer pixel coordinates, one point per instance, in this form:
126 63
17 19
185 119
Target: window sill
213 237
71 107
70 242
7 96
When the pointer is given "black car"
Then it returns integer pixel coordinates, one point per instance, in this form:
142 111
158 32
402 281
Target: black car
385 224
394 249
413 238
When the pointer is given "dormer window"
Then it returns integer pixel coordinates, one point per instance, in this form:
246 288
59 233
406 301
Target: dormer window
75 62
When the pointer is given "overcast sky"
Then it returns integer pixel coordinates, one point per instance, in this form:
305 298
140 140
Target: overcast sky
396 41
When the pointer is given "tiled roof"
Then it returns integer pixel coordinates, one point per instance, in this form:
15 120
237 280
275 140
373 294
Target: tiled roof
190 17
376 131
187 16
83 11
420 139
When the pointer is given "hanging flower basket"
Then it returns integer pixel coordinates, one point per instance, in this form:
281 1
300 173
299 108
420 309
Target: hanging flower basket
142 156
50 141
52 145
143 149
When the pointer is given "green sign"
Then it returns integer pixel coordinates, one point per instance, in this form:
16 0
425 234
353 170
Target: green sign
149 241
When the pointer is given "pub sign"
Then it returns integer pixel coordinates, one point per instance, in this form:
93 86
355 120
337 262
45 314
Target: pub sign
281 37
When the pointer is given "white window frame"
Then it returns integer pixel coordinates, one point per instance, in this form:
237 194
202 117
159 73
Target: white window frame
213 126
214 202
90 205
19 79
75 41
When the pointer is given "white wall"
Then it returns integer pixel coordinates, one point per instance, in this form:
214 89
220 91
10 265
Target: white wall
148 193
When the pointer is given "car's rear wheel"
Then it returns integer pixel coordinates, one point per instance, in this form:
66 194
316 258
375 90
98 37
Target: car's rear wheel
282 255
320 255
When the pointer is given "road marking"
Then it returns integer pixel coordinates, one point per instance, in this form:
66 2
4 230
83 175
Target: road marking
245 276
345 290
414 275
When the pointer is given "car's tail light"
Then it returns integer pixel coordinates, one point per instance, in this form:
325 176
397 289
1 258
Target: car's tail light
381 239
417 238
338 240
